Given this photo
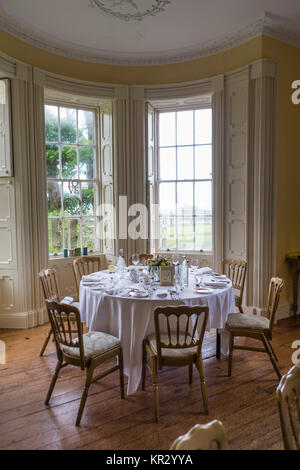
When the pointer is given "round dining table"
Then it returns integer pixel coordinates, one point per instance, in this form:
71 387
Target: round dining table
120 313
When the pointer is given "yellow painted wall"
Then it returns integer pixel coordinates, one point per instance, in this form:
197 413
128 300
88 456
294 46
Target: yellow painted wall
194 70
288 58
288 179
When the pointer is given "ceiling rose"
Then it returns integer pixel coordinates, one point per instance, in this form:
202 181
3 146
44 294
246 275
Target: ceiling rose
127 10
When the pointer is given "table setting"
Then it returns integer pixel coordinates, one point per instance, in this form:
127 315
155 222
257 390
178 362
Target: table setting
122 304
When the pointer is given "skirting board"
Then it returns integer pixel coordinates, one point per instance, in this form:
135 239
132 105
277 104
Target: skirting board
23 320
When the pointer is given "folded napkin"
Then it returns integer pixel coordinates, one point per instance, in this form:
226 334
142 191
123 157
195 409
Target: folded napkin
216 284
204 270
67 300
95 277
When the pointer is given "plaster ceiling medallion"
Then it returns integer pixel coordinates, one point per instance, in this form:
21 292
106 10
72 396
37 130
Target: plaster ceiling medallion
127 10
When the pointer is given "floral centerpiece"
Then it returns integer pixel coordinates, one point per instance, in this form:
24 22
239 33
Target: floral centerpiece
154 264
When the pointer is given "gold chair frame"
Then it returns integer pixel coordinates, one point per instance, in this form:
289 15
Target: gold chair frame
87 265
236 271
275 288
202 436
158 359
60 318
288 401
50 286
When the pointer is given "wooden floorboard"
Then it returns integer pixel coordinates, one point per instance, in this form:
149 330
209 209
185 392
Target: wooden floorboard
245 403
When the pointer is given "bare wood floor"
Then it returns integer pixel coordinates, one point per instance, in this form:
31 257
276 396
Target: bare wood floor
245 403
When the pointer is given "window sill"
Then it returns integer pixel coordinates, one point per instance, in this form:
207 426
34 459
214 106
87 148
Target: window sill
62 258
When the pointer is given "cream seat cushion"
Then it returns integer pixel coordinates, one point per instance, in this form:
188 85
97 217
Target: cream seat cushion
250 322
95 342
166 352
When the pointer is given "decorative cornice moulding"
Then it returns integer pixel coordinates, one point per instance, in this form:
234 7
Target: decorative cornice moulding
267 24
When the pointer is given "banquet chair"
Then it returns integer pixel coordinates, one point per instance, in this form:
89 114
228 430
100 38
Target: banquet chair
143 258
203 437
236 270
177 347
88 265
288 400
257 327
86 351
50 286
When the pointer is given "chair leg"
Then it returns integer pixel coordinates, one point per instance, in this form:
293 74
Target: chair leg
231 344
155 387
272 349
144 367
202 383
218 344
89 376
271 356
46 342
53 381
121 367
190 374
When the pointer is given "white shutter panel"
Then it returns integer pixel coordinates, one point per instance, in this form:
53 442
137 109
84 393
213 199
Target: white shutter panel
150 142
106 164
5 129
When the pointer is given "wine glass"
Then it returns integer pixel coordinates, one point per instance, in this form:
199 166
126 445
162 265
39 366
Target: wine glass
194 264
135 259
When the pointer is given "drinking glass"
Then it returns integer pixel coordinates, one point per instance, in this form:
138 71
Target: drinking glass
194 264
135 259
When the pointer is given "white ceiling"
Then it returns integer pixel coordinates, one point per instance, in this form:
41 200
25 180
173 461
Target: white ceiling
186 29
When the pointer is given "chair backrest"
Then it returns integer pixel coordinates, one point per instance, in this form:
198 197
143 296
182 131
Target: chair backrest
143 258
235 270
87 265
66 326
275 288
48 278
184 332
288 399
202 437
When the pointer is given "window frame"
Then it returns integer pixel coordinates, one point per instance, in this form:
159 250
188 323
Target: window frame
156 176
96 181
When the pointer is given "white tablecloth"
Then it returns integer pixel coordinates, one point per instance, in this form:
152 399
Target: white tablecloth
131 319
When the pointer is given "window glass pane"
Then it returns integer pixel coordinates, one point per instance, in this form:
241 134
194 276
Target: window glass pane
203 126
54 199
185 199
185 231
88 233
185 128
68 126
166 129
167 232
52 156
203 162
85 127
72 233
71 198
167 166
203 208
185 157
51 123
167 204
88 198
55 236
86 163
69 162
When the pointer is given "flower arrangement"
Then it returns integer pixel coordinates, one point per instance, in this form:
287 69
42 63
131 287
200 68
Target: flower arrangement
157 260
